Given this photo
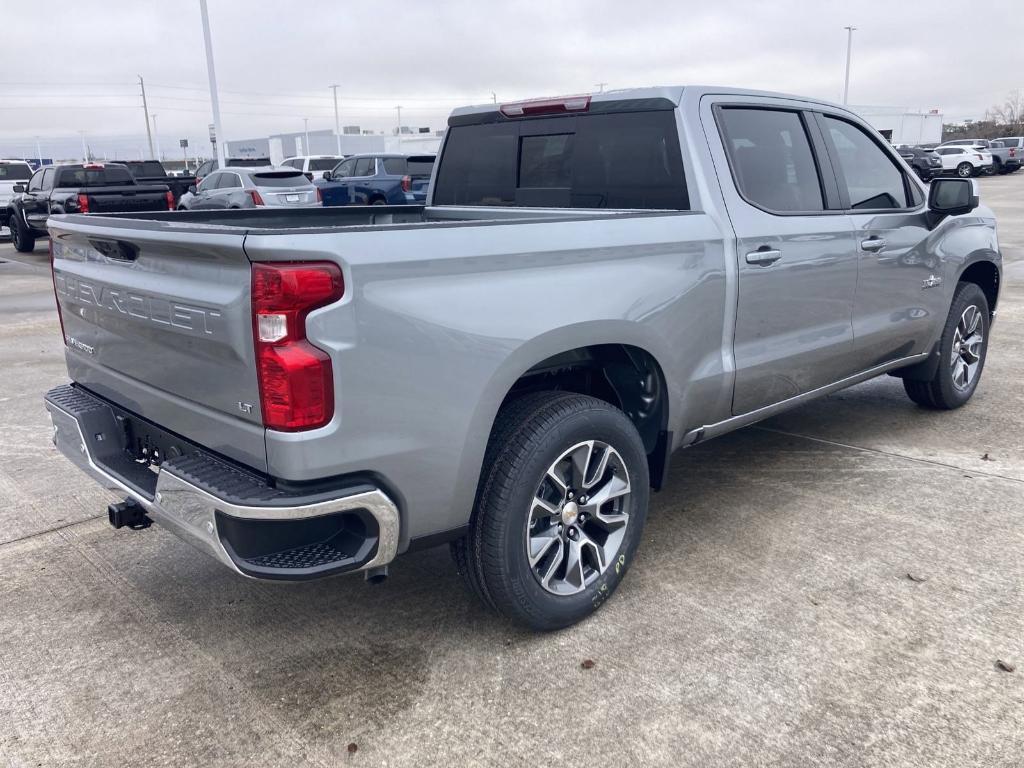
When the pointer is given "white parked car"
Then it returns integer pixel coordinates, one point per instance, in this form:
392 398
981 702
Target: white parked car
313 165
11 172
964 161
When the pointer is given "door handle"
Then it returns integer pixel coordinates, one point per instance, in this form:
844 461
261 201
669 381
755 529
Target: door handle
764 256
873 244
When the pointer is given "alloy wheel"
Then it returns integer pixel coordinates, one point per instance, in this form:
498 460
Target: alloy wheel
967 348
578 518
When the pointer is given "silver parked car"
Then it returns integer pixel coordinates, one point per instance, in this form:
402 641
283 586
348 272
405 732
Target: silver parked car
266 187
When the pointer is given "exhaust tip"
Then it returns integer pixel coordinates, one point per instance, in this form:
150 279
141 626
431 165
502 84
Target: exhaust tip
377 575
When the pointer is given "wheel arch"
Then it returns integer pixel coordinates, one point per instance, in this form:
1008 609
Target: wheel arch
624 368
981 270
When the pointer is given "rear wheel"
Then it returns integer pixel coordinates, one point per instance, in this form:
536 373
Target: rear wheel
965 170
21 237
962 351
378 201
560 509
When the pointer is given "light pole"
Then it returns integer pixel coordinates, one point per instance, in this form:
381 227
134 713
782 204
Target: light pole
399 108
600 87
337 124
849 48
305 130
214 100
85 151
39 152
494 97
157 134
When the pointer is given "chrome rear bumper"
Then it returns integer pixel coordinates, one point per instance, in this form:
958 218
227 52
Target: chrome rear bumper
85 431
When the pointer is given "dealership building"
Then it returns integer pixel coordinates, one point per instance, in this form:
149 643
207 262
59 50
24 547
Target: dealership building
352 140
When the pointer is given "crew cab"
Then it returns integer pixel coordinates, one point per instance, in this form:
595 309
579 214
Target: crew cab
78 188
593 283
377 180
153 172
12 173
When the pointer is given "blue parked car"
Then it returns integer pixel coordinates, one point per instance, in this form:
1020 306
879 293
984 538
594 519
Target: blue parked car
377 180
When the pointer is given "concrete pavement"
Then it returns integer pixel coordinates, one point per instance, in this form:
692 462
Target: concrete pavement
832 587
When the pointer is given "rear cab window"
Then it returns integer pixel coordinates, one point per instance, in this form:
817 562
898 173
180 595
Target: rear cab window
621 160
106 176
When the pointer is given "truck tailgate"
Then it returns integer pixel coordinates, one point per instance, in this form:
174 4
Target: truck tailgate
127 199
162 326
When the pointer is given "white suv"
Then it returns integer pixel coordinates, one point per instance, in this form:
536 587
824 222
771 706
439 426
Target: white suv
12 172
965 161
313 165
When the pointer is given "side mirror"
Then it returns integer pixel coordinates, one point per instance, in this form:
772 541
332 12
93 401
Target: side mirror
328 175
953 197
192 189
18 189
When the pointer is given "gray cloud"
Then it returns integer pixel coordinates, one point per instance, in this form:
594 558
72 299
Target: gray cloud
275 60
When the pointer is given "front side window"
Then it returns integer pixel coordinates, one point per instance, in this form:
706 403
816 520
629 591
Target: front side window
229 181
48 175
873 181
210 182
771 159
344 169
36 182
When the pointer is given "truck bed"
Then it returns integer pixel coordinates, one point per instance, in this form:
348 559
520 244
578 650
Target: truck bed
365 217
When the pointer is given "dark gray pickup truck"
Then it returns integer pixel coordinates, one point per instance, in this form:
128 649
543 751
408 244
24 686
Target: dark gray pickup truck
80 188
594 283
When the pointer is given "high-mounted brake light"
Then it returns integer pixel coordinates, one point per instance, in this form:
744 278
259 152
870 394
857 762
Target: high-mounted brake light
295 378
546 106
93 166
170 200
257 199
83 202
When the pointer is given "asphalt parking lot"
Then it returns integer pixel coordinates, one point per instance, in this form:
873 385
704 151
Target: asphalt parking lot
835 586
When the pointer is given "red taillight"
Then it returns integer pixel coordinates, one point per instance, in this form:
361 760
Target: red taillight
170 200
295 378
1013 152
546 106
255 195
319 195
83 203
407 183
978 156
56 296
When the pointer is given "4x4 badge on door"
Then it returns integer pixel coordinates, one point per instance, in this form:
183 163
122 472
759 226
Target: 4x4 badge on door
930 282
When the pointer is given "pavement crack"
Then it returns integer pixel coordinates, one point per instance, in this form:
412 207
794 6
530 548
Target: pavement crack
891 454
45 531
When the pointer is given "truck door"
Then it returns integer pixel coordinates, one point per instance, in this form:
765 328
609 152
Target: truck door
36 201
796 258
901 298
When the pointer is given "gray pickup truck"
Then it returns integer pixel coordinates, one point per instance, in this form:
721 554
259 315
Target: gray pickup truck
594 282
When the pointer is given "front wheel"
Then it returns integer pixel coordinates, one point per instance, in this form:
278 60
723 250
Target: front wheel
962 351
21 236
560 509
965 170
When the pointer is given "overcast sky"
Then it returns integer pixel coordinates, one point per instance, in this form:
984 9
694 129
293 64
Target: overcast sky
73 66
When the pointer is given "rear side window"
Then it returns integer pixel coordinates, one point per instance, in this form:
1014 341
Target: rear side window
771 159
417 167
322 163
394 166
14 172
281 179
621 160
872 179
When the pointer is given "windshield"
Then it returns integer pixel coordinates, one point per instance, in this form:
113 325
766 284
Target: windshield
14 172
281 179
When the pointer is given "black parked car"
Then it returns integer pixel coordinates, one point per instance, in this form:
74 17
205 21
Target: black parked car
926 164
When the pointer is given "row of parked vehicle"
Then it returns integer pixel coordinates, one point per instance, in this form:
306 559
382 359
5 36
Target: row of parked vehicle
28 198
965 157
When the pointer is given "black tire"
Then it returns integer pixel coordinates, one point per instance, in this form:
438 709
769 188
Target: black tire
529 436
21 237
942 392
378 201
965 170
997 168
